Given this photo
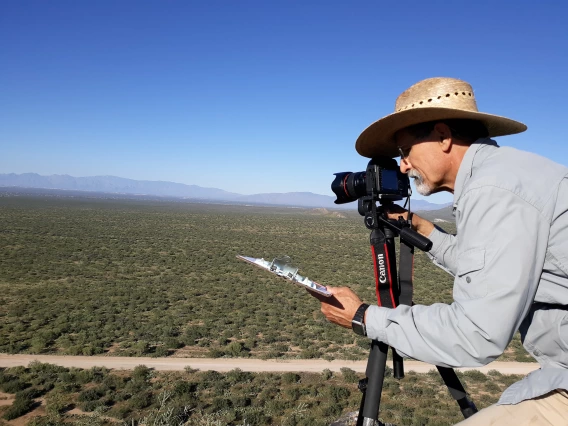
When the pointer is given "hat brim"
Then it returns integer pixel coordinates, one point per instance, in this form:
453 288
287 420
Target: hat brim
378 139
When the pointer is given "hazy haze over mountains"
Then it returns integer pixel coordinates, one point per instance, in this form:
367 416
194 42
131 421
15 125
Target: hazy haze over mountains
113 184
118 185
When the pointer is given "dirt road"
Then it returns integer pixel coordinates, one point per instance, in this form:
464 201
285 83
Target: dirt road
227 364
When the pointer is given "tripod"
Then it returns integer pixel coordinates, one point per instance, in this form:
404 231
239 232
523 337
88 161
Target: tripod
390 293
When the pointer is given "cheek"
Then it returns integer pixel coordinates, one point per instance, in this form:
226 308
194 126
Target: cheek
427 166
431 169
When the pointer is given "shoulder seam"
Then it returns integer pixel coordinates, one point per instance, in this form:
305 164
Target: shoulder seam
511 192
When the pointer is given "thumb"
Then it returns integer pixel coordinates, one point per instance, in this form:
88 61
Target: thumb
332 290
337 290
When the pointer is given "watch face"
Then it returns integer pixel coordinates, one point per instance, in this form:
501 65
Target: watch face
359 328
357 324
356 327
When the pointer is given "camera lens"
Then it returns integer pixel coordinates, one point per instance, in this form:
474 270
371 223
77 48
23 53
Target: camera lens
349 186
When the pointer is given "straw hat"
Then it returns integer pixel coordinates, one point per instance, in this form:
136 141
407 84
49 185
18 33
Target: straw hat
428 100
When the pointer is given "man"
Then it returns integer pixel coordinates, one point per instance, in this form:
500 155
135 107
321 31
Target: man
509 257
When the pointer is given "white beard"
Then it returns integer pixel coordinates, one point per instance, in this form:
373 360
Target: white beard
422 187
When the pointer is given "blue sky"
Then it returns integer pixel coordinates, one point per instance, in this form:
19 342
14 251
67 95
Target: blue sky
258 96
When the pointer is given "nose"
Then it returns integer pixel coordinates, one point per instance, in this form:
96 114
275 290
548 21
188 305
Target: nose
404 165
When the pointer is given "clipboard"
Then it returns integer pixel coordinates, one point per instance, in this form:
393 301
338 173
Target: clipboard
284 268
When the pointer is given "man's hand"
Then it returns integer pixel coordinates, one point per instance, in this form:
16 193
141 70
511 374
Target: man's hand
341 307
420 225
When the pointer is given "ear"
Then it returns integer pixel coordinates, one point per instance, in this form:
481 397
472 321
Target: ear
444 135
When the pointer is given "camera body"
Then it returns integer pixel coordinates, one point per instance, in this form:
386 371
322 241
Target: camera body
382 181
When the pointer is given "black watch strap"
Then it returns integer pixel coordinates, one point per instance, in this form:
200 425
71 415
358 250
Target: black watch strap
358 321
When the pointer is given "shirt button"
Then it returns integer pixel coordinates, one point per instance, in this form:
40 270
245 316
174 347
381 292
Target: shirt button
468 279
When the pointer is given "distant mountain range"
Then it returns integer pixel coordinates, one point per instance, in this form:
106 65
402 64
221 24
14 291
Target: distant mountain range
118 185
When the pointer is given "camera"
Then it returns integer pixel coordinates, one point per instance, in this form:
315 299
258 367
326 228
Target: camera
382 180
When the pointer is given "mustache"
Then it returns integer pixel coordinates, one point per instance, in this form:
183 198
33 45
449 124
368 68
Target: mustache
415 175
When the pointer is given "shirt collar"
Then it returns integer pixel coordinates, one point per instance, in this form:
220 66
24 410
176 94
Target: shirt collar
466 167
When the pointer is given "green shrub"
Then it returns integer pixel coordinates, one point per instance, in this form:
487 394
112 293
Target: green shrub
349 375
141 348
172 343
256 418
141 400
89 406
494 373
121 412
281 347
310 353
238 376
44 370
93 394
492 387
98 374
141 373
271 354
192 334
82 376
292 393
49 420
113 381
215 353
160 352
183 387
240 401
135 386
219 404
326 374
414 391
337 394
475 376
211 376
289 378
13 386
29 393
236 349
19 407
56 403
330 410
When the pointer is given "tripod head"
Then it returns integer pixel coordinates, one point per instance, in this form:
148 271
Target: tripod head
376 218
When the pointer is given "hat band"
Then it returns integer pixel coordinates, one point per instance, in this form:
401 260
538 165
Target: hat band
440 98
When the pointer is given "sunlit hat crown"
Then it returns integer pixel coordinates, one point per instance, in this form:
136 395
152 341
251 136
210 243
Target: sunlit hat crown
429 100
438 92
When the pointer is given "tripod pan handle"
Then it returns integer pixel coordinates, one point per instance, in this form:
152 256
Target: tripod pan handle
415 239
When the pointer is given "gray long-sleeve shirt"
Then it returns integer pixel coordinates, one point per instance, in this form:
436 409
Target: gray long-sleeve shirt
510 263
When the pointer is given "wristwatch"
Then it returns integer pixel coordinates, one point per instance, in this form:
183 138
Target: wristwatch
358 321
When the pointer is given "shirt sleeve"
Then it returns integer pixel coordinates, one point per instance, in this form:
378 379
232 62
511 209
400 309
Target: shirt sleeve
443 251
499 258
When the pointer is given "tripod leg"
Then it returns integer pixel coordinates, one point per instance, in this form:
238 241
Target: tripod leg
375 373
398 366
363 389
456 389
